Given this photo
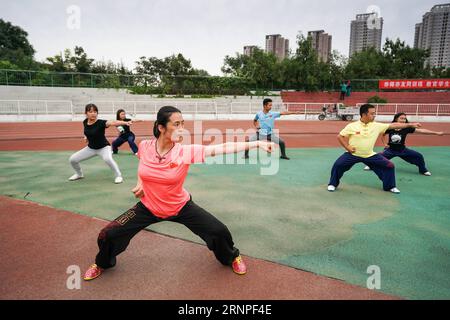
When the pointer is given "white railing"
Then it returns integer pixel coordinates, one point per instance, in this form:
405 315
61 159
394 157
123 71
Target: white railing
36 107
413 109
152 106
210 107
309 108
202 107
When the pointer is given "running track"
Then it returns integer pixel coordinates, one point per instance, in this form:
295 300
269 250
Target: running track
68 135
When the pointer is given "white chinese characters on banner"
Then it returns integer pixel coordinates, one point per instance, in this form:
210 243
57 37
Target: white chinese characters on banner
415 84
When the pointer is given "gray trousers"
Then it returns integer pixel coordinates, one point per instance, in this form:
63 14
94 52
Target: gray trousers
87 153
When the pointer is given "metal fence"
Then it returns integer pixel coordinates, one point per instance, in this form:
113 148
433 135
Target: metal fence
67 79
95 80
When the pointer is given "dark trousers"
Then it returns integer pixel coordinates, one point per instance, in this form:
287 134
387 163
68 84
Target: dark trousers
343 93
408 155
382 167
121 140
273 138
115 237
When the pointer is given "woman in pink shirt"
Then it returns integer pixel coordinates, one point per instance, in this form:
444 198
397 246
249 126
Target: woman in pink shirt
163 167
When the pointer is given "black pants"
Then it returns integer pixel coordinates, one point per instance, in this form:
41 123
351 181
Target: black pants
115 237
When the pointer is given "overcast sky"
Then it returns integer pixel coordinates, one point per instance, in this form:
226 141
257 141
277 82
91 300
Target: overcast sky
204 31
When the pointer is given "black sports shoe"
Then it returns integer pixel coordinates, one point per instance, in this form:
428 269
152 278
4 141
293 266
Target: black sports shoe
284 157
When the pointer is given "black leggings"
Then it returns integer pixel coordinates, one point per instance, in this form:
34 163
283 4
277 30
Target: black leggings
115 237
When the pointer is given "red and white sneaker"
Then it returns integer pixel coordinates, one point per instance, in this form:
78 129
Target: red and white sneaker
239 266
93 272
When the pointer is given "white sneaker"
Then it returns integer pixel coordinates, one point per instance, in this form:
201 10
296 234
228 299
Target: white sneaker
331 188
76 177
367 168
394 190
428 173
118 180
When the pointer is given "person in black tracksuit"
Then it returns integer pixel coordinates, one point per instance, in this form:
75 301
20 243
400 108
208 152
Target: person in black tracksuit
126 135
396 145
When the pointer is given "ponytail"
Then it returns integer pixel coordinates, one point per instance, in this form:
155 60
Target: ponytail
156 131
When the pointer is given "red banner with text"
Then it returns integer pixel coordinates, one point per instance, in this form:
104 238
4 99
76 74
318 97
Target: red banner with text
408 84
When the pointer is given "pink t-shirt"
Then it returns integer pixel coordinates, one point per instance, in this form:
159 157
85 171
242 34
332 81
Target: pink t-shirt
162 180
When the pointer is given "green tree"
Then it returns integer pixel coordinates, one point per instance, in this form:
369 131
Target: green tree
80 61
367 64
404 61
262 68
305 70
177 65
302 70
336 64
110 67
14 46
173 74
235 66
68 62
153 67
440 72
4 64
60 62
396 60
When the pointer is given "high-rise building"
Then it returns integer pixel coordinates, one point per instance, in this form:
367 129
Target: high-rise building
277 45
321 42
248 50
365 32
433 33
418 35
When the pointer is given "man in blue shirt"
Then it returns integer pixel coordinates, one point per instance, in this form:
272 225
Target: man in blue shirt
264 122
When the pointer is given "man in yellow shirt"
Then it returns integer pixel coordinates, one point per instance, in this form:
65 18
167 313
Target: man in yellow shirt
359 138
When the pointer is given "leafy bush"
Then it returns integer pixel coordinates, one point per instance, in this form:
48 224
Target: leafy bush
376 99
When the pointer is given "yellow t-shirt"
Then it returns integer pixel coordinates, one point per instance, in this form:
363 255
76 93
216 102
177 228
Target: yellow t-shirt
363 136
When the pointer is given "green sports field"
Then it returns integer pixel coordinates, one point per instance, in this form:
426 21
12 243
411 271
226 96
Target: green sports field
287 218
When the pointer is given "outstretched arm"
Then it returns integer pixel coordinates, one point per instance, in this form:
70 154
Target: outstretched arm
398 125
286 113
116 123
425 131
234 147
